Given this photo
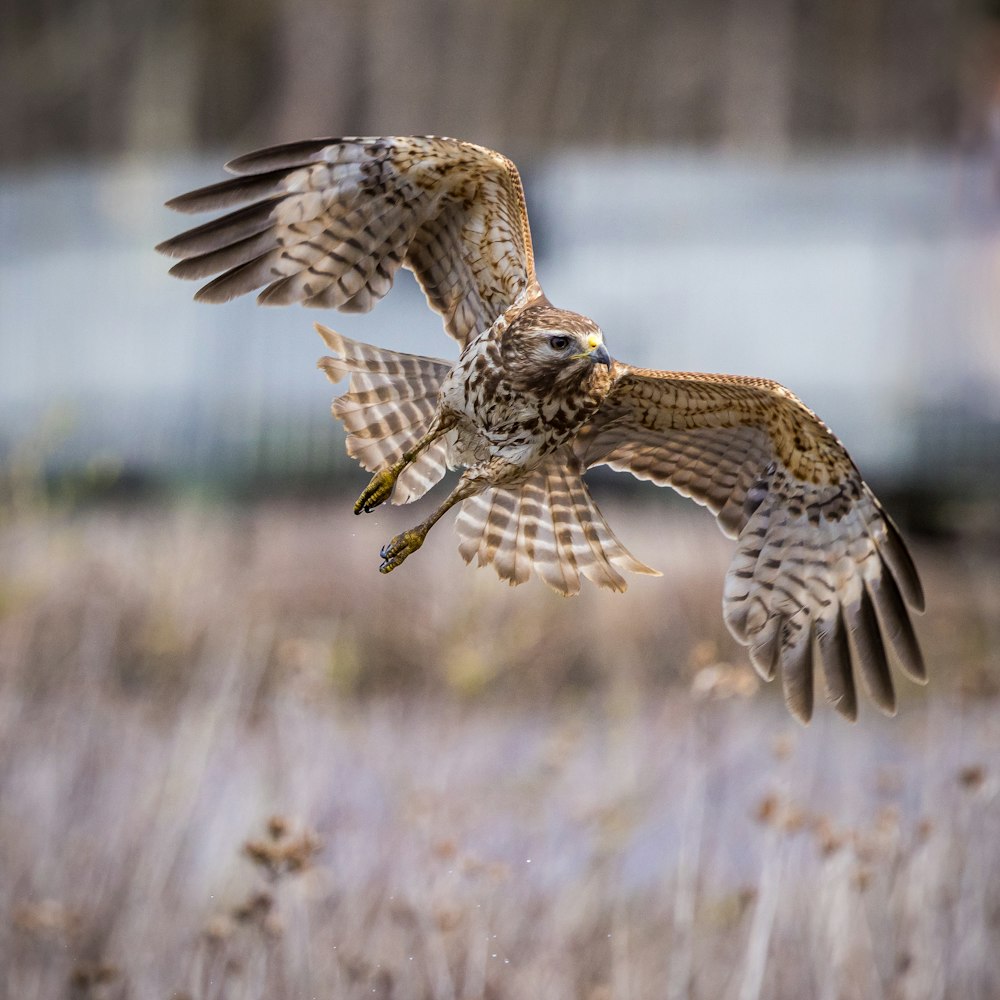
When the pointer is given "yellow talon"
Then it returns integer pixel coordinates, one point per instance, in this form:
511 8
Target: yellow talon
377 491
396 550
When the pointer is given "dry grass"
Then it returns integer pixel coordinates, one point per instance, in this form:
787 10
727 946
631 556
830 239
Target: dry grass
237 762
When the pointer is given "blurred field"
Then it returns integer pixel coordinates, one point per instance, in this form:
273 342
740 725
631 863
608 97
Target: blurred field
237 762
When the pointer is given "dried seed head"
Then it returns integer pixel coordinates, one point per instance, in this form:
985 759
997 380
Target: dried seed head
768 809
254 909
300 851
830 840
86 976
972 776
282 853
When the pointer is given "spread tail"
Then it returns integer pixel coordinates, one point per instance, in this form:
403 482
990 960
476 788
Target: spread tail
388 407
549 524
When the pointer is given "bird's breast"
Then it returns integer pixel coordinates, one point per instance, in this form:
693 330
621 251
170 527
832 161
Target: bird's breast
498 417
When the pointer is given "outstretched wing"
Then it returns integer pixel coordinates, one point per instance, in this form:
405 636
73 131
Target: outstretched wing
328 222
817 557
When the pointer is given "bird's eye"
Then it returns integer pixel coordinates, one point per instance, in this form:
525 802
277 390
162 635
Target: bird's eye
559 342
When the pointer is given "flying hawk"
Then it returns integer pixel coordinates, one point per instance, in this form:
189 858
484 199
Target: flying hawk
535 399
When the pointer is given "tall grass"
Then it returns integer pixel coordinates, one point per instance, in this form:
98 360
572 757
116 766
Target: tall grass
236 762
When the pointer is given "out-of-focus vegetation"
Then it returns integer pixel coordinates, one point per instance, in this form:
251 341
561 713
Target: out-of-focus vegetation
302 579
237 762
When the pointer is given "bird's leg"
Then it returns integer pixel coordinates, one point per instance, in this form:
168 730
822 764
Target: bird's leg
383 482
407 542
380 488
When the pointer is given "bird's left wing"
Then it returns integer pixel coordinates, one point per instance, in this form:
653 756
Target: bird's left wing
817 557
328 222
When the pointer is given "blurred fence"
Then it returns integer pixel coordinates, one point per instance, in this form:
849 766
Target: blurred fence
866 284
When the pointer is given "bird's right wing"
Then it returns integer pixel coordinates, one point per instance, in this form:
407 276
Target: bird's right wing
817 557
328 222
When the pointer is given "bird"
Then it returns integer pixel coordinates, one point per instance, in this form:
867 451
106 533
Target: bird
820 575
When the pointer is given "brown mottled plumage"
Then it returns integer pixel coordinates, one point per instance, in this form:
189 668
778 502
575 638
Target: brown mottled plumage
534 400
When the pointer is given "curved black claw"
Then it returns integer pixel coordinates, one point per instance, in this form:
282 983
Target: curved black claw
376 492
398 548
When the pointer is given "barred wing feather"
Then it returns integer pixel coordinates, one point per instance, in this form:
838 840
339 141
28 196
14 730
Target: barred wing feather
818 563
328 223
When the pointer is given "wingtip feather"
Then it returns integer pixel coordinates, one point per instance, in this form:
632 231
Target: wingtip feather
838 673
896 554
282 156
862 626
797 677
216 292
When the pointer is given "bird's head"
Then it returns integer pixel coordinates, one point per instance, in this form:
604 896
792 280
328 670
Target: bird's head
547 347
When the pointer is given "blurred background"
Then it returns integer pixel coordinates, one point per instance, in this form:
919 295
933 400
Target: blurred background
787 189
235 761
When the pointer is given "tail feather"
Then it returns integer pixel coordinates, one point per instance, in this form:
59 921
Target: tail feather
549 524
601 554
388 407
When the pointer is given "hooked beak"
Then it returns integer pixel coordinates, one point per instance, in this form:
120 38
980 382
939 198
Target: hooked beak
599 356
598 353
